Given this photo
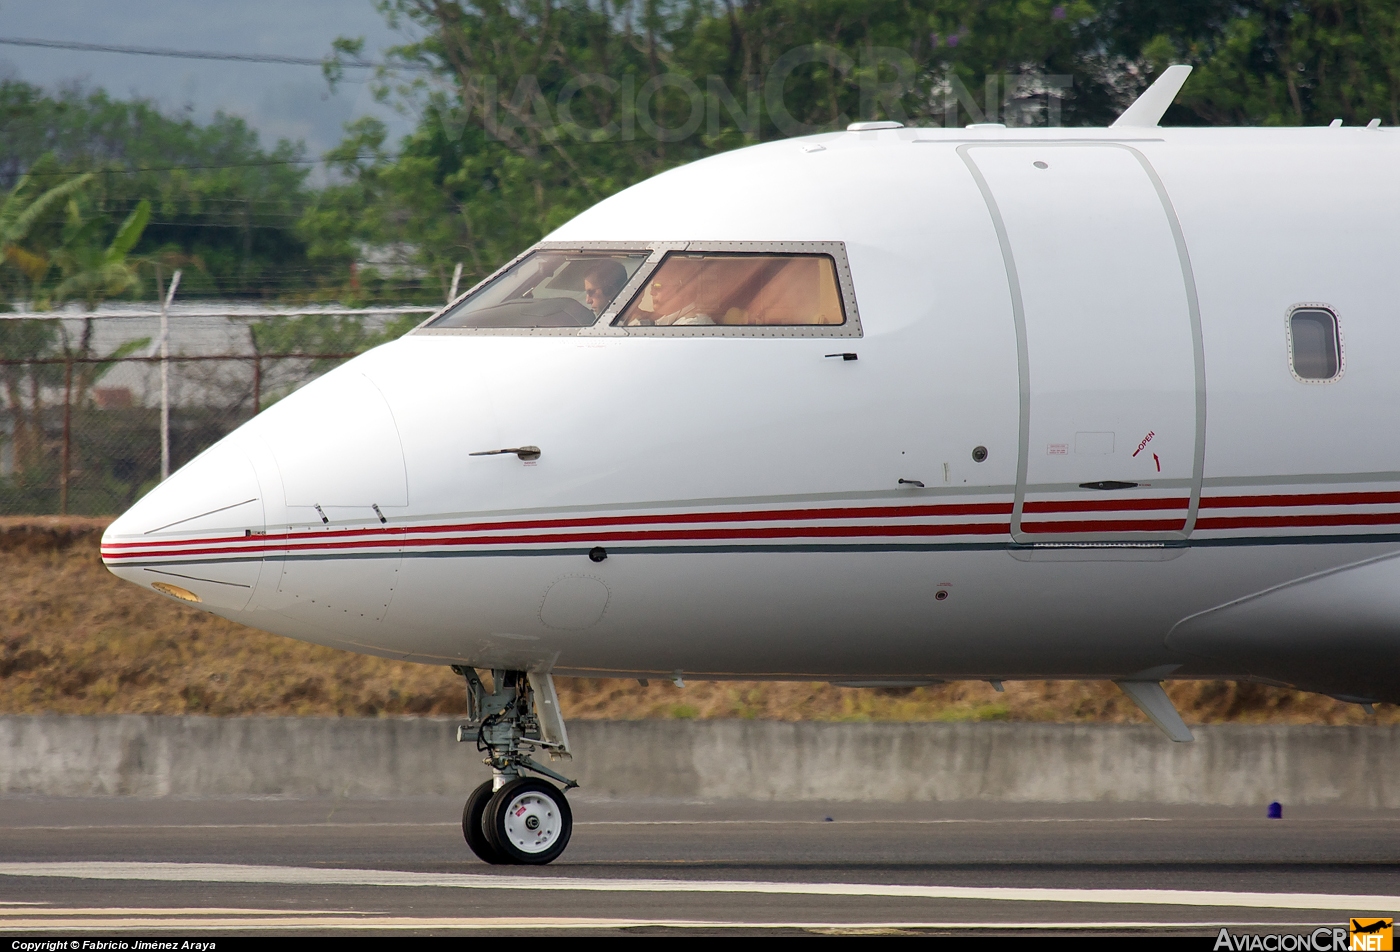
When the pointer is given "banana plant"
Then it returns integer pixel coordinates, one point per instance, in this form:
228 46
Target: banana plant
93 272
23 385
21 208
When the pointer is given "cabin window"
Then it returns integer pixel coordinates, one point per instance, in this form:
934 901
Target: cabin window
717 289
1314 344
547 289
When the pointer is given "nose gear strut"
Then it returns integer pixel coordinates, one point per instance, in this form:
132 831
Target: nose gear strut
509 722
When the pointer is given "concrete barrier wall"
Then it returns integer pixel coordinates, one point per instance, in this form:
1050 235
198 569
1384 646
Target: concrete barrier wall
149 756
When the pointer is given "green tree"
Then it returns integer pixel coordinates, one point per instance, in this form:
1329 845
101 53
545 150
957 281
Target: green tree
532 110
24 383
1290 62
95 269
21 209
22 206
215 192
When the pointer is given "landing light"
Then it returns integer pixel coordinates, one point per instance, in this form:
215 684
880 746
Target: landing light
175 591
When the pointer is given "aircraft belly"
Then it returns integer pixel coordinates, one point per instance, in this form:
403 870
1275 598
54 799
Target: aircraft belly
828 614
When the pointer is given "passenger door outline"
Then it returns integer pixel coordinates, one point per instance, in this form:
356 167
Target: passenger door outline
1023 355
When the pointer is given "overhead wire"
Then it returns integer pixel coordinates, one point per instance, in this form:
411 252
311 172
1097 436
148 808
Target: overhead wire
167 52
204 166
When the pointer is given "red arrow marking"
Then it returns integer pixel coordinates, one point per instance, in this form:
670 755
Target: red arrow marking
1157 461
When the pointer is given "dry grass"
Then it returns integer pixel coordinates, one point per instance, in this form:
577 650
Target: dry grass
1200 702
74 639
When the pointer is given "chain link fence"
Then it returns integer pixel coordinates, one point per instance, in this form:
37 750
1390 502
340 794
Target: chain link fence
82 427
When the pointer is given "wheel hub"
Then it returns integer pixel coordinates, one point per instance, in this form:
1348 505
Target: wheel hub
532 822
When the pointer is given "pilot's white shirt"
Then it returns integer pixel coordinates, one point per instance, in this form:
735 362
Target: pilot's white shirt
690 314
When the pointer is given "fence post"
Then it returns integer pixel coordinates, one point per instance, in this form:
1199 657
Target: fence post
257 369
67 434
165 372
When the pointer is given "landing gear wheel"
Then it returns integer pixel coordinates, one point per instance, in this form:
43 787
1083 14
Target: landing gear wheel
473 827
528 821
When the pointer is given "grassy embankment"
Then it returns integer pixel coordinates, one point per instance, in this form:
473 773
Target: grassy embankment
74 639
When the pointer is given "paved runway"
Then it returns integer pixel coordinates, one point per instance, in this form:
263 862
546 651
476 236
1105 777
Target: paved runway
114 866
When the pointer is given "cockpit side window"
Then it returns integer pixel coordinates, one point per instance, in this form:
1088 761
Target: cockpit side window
738 290
546 289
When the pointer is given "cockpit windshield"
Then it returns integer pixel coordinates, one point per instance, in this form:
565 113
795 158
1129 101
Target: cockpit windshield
548 289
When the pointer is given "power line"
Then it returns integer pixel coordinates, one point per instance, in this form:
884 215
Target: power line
186 54
185 315
222 165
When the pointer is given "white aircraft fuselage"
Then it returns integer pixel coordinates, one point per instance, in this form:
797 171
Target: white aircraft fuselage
1079 437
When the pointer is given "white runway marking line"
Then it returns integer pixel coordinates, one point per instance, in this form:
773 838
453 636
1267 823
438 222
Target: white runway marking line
303 876
47 910
1135 819
221 826
98 919
328 825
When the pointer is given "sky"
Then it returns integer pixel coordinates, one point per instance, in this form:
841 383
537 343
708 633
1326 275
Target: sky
278 101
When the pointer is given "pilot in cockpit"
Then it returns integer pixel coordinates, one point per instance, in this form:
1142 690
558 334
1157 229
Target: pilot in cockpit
675 295
602 284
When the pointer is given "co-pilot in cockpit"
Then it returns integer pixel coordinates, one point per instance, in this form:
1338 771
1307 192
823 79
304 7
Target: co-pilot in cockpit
547 289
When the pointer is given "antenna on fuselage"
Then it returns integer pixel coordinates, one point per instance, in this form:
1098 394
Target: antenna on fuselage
1147 110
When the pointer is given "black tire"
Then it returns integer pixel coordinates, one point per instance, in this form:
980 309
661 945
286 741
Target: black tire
529 822
474 829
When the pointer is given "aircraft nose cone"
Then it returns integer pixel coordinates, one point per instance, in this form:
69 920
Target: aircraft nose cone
335 515
198 535
337 449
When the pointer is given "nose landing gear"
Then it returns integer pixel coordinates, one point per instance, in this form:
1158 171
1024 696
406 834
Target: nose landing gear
510 818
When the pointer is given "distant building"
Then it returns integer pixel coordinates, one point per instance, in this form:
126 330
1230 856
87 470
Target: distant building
112 398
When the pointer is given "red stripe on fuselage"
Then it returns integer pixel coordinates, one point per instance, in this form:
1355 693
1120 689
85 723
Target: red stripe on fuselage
1103 525
1284 522
768 515
1103 505
642 535
1301 499
371 537
584 522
